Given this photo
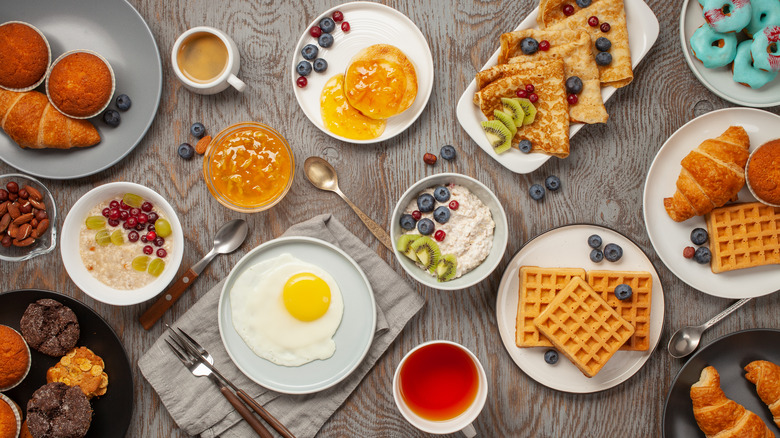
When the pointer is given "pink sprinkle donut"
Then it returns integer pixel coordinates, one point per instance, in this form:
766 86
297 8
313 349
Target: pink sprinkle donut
727 15
766 49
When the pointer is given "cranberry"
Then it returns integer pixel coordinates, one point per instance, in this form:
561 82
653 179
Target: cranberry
416 215
159 241
131 222
143 238
688 252
113 222
133 236
146 206
153 217
429 158
113 204
573 99
315 31
134 212
123 206
568 10
151 235
454 205
533 97
544 45
12 187
161 253
301 82
151 227
106 212
113 213
521 93
605 27
529 88
338 17
345 26
123 215
140 227
439 235
142 218
148 249
593 21
125 226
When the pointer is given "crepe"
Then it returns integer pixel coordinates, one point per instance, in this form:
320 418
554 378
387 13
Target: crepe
549 133
618 73
573 47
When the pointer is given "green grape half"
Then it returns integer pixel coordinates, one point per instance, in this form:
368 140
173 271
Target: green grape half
163 227
156 267
96 222
140 263
133 200
117 238
103 237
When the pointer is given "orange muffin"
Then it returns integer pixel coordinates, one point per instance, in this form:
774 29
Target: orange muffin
80 84
14 358
763 172
10 418
24 56
83 368
25 433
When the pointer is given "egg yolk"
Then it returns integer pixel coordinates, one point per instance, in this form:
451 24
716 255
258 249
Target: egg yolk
306 296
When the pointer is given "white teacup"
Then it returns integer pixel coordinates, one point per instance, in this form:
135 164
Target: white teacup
220 82
461 422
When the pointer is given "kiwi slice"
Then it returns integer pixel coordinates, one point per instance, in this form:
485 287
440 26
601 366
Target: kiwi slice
404 244
506 119
498 135
513 109
445 269
528 108
427 252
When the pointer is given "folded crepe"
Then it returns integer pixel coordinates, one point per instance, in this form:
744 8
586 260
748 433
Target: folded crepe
549 132
573 47
551 17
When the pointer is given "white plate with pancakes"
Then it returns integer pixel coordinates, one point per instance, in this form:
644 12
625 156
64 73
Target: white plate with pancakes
643 31
669 238
546 250
370 23
352 337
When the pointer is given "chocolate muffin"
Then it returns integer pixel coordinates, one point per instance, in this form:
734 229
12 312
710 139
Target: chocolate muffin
50 327
24 56
57 410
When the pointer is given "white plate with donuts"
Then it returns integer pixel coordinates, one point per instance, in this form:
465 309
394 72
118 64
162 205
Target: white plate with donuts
720 80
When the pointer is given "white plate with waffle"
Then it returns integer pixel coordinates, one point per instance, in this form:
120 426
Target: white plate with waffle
546 251
669 238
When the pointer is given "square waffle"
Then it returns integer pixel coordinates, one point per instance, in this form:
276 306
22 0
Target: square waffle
583 327
538 287
743 236
635 310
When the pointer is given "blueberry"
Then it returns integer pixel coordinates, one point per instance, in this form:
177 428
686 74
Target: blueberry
309 51
603 44
198 130
425 226
596 256
425 203
594 241
320 65
186 151
613 252
303 68
327 25
551 357
702 255
123 102
442 214
447 152
525 146
603 58
583 3
529 46
574 85
699 236
441 193
407 222
623 291
325 40
536 191
552 183
112 118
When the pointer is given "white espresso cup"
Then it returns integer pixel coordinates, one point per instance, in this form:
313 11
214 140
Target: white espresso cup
460 422
223 80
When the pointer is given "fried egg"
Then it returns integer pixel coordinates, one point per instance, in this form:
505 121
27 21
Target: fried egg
287 310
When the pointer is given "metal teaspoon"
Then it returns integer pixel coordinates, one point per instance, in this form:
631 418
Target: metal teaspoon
684 341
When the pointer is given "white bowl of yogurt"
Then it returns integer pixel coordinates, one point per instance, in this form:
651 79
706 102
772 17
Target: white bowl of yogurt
106 272
475 232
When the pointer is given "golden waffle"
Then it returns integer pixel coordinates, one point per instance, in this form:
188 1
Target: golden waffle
743 236
583 327
538 287
635 310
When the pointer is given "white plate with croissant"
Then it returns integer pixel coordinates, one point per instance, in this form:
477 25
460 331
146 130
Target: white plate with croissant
668 236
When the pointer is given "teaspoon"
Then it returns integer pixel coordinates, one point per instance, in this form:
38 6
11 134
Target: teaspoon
684 341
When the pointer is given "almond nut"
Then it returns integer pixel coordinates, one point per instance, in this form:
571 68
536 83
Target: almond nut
13 209
42 226
4 207
37 204
33 193
6 241
23 219
23 232
4 222
203 143
26 242
12 228
25 207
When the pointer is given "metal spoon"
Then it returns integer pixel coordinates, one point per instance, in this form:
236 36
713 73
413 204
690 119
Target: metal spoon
323 176
684 341
227 240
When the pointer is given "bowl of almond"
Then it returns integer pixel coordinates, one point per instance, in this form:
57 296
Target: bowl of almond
28 218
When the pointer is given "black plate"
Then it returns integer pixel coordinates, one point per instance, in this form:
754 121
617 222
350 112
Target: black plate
113 411
729 355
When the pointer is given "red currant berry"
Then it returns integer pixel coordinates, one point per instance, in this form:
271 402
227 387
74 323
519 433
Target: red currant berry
106 212
345 26
131 222
454 205
134 212
568 10
125 226
113 204
529 88
429 158
123 215
132 236
148 250
315 31
159 241
593 21
143 238
544 45
113 213
151 235
688 252
338 17
605 27
301 82
140 227
439 235
151 227
123 206
521 93
142 218
113 222
572 99
533 97
146 206
153 217
161 253
416 215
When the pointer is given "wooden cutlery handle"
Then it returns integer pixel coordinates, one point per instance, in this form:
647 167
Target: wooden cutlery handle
246 413
158 309
279 427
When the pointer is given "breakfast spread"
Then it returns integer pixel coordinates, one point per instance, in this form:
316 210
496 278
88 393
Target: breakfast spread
80 84
57 410
766 376
83 368
23 217
15 358
24 56
743 236
763 173
50 327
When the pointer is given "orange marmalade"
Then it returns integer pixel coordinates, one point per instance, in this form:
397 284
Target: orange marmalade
341 118
248 167
378 89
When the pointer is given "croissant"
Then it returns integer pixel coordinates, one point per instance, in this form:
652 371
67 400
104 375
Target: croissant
32 122
719 416
711 175
766 376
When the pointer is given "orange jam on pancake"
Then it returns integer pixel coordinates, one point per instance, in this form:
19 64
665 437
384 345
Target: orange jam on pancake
376 87
341 118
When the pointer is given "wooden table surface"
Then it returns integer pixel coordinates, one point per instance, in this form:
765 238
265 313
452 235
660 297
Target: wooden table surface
597 188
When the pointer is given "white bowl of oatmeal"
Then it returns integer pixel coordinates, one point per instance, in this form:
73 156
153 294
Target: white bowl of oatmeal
474 232
114 259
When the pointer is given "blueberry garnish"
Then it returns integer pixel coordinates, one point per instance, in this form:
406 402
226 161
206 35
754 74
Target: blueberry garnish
699 236
303 68
594 241
574 85
198 130
596 255
327 25
325 40
623 291
603 44
603 58
525 146
186 151
702 255
442 214
320 65
112 118
425 226
552 183
407 222
583 3
529 46
123 102
441 193
309 51
448 152
551 357
425 203
536 191
613 252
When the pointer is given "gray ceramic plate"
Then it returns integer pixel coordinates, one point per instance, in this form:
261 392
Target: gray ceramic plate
115 30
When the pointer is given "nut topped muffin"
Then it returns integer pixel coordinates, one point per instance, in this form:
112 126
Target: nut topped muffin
763 173
14 358
80 84
83 368
24 56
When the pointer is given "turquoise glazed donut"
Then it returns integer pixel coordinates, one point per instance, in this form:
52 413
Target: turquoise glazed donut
743 69
713 49
766 48
765 12
727 15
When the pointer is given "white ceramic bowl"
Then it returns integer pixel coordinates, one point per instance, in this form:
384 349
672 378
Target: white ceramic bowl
500 234
71 258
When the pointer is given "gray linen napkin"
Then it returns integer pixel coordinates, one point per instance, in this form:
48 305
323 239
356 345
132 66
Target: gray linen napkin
196 403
